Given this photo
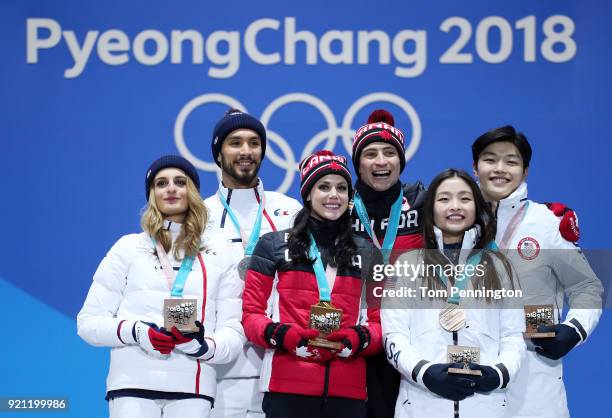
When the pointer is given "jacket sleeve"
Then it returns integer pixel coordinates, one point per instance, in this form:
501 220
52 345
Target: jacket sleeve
96 322
512 325
228 337
257 291
580 284
396 318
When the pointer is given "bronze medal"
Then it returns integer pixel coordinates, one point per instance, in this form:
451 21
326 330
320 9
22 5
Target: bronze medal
181 313
536 315
465 356
243 266
452 318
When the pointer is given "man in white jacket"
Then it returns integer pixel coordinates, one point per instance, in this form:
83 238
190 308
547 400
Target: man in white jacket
239 213
548 267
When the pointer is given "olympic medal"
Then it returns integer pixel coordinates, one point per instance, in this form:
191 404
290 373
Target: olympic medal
243 266
452 318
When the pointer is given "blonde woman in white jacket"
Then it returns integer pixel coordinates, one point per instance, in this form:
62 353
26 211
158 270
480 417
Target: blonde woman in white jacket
156 372
418 329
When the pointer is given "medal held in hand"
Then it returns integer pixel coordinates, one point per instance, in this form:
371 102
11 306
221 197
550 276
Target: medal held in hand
326 319
464 355
536 315
181 313
178 312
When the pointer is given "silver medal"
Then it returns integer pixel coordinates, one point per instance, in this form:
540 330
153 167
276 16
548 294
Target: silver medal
452 318
243 267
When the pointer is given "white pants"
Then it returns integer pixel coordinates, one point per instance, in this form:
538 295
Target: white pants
238 398
130 407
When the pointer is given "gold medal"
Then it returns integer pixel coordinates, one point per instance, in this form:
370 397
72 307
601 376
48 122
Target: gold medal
326 319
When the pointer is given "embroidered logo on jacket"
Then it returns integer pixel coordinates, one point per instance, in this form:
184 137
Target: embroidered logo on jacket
281 212
405 205
528 248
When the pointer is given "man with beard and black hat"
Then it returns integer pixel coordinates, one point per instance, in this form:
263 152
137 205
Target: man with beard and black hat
386 211
239 213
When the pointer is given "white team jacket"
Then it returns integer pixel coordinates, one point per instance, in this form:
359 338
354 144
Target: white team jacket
414 340
548 267
129 286
279 213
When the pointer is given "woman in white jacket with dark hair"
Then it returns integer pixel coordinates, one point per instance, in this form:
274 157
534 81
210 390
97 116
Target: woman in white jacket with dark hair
155 372
458 231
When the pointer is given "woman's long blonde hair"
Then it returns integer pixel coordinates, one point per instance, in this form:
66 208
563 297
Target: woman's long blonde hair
189 239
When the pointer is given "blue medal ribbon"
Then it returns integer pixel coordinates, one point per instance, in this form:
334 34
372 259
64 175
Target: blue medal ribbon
319 270
462 284
392 227
181 276
250 246
178 285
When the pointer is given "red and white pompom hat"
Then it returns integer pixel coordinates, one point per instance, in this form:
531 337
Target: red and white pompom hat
320 164
379 128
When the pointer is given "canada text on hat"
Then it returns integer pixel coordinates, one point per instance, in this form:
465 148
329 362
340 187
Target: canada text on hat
379 129
318 159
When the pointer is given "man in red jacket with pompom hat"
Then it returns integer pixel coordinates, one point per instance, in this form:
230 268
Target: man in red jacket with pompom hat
387 212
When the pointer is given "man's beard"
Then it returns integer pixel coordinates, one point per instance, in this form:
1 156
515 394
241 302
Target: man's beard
243 179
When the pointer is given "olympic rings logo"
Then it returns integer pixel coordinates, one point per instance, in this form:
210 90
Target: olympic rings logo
328 137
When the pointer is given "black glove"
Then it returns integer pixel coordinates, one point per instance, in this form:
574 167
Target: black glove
488 381
559 345
449 386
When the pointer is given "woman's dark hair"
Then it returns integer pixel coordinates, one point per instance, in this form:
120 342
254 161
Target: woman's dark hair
483 218
339 254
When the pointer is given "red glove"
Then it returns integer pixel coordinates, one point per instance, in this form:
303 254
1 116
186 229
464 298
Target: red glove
353 339
193 343
294 340
569 221
151 338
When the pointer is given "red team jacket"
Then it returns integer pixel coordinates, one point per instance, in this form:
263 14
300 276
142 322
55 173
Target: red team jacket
278 290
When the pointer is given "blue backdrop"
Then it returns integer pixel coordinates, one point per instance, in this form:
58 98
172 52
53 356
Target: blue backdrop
91 93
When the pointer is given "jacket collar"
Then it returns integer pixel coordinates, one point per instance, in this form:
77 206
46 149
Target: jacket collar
173 227
375 199
512 201
470 237
238 197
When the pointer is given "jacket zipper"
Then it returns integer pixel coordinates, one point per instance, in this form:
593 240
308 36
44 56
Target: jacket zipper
326 383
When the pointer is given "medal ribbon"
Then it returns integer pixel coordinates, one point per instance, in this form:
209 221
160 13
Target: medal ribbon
392 226
511 228
175 283
321 274
462 284
252 241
